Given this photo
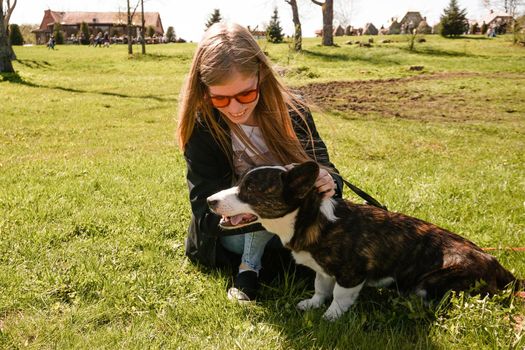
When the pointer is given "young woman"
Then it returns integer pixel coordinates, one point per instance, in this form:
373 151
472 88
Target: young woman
234 115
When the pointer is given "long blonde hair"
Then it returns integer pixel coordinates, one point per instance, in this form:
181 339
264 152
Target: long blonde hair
228 47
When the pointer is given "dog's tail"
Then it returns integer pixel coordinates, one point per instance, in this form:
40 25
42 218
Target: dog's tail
519 288
505 279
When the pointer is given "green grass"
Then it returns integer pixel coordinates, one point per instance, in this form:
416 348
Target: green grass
94 208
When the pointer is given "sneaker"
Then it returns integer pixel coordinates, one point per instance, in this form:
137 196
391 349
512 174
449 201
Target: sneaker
244 287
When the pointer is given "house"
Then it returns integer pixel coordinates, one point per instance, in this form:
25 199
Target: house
339 31
498 21
395 27
114 23
423 27
257 34
370 29
410 21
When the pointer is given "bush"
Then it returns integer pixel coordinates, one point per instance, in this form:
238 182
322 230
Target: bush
15 35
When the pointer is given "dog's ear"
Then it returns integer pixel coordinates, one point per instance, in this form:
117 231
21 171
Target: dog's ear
301 178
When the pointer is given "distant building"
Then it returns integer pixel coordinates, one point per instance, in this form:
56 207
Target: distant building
339 31
395 27
370 29
410 21
114 23
498 21
423 27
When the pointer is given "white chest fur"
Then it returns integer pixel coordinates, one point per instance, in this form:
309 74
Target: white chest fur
306 259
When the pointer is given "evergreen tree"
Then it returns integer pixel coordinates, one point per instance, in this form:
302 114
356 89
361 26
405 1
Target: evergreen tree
454 20
170 34
84 33
59 35
15 35
215 17
274 32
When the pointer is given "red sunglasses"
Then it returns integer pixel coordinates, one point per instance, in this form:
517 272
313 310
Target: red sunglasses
244 97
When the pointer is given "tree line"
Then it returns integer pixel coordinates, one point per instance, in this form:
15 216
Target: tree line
453 22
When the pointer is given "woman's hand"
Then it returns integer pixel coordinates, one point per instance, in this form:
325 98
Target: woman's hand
325 184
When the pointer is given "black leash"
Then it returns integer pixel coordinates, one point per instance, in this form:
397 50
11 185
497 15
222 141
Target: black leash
368 198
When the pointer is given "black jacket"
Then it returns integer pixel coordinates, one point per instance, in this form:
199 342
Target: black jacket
210 171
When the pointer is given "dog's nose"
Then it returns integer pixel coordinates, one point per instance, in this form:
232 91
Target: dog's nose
212 203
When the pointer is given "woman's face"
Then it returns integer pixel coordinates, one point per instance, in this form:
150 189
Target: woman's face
237 112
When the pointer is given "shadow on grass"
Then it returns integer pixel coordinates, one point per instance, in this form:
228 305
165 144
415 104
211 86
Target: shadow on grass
160 57
327 56
440 53
15 78
372 59
380 319
34 63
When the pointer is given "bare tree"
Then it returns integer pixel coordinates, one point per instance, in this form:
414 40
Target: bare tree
298 36
130 24
511 7
328 17
6 51
343 11
142 27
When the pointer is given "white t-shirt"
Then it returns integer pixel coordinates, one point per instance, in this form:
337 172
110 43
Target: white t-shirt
243 157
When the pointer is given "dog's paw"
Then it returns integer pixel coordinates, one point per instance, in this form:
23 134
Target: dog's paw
332 314
312 303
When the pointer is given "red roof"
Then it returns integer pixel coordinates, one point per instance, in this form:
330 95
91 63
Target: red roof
75 18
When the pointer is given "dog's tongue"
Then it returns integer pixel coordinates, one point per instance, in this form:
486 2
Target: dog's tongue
237 219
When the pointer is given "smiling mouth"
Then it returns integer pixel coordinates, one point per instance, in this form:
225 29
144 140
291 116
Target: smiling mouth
238 115
236 221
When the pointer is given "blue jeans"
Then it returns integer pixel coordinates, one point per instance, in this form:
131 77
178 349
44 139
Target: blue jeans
250 246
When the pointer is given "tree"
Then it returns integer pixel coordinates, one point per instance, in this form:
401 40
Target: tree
511 7
142 27
343 12
215 17
27 34
170 34
298 36
130 25
484 28
57 32
151 31
15 35
474 28
84 33
453 21
328 18
274 32
6 51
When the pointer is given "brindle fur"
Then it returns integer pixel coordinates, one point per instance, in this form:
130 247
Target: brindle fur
366 243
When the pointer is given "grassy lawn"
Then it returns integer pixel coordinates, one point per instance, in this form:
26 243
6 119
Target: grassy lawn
94 207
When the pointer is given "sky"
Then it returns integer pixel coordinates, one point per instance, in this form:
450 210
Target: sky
188 17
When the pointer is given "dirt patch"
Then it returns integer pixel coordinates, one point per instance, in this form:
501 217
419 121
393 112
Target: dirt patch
408 98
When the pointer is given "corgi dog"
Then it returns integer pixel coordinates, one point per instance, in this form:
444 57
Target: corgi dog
351 245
